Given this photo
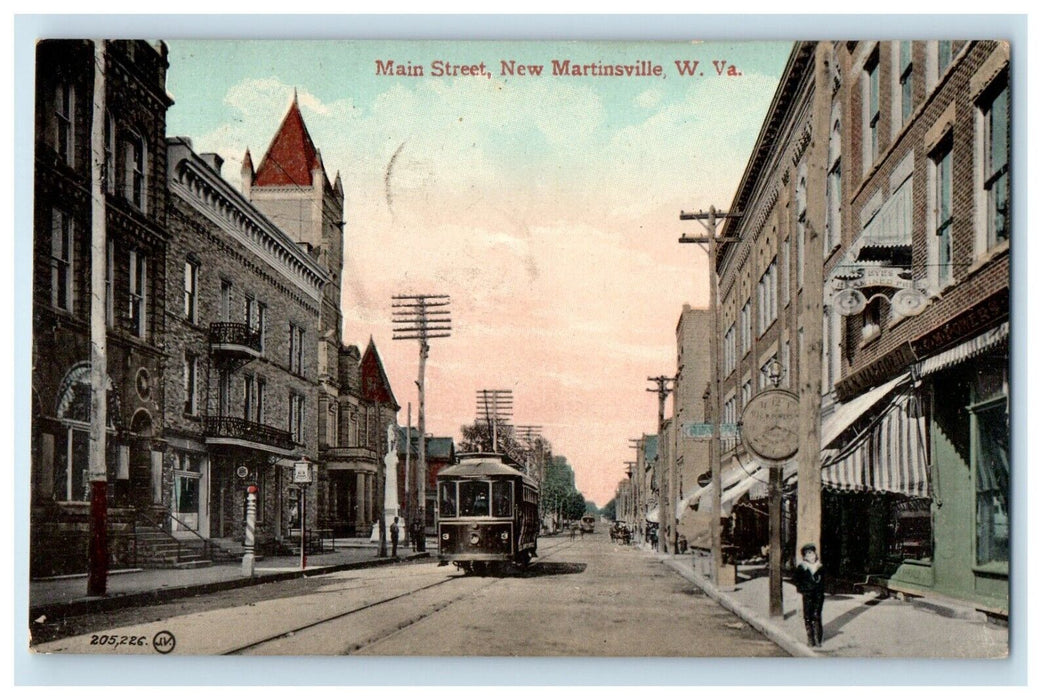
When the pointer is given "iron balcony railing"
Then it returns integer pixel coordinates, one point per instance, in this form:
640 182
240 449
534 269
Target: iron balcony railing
235 334
249 431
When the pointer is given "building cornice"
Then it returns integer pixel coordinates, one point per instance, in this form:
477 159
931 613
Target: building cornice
192 180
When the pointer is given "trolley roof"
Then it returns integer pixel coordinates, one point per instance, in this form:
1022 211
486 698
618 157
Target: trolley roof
481 467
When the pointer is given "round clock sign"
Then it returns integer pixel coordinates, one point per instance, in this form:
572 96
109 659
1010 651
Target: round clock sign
770 425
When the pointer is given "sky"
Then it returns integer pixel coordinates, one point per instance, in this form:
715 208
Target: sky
546 206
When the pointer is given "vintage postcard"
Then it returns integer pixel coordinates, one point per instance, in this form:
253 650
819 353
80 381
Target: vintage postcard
533 348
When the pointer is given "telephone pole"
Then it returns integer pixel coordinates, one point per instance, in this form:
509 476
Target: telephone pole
663 388
421 317
639 496
710 220
530 434
494 405
98 552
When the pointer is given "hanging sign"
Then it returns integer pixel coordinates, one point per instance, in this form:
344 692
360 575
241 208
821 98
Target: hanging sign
303 473
770 425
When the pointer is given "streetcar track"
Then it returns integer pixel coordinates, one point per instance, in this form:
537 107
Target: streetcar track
400 627
410 623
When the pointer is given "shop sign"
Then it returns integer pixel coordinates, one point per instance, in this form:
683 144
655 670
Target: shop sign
303 473
770 425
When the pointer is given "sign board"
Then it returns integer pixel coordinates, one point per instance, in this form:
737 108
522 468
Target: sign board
705 431
303 473
770 425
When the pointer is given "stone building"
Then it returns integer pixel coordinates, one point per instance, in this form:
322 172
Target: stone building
894 158
243 301
354 401
134 193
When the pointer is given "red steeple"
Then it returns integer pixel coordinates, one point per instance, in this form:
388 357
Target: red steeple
291 157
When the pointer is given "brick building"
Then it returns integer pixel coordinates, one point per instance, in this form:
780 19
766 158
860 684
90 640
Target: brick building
134 193
243 301
895 157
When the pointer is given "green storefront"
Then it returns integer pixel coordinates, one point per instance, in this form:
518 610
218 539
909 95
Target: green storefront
967 402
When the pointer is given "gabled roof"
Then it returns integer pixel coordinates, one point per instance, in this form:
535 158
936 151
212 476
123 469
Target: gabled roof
375 385
440 448
291 157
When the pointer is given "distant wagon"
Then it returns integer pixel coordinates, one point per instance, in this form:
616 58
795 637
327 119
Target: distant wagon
586 523
488 513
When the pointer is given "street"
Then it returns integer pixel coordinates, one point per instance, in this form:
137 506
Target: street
586 597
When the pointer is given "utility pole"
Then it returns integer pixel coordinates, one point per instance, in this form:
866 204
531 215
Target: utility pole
631 473
530 434
810 359
640 499
663 388
492 406
710 220
421 317
98 553
408 462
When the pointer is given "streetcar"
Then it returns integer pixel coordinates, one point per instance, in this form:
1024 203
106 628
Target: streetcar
586 523
488 514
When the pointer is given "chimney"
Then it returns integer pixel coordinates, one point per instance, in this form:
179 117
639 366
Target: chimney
214 161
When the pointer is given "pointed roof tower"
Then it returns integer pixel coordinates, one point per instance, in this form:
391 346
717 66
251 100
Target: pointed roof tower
291 157
375 385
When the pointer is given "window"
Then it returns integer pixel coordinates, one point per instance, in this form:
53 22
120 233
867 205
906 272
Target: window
944 54
473 499
61 260
831 349
249 312
109 166
785 381
990 424
189 306
135 171
833 237
261 327
225 300
502 498
872 111
137 293
994 118
331 420
260 399
448 499
729 350
768 298
745 394
249 396
786 274
295 406
71 464
746 335
940 248
904 89
109 283
296 336
189 384
224 392
65 135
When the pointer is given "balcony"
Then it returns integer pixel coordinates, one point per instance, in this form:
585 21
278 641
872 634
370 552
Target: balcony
238 432
235 340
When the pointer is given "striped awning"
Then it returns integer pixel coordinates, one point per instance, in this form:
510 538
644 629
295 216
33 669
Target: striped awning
888 458
967 350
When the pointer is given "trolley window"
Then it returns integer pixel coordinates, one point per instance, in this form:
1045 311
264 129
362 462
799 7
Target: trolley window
502 498
473 499
447 499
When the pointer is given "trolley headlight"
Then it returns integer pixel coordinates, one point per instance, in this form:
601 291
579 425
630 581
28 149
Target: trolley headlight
504 536
474 538
445 536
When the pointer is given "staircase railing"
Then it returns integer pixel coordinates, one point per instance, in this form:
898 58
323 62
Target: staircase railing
139 515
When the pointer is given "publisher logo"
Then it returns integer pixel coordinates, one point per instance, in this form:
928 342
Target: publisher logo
164 642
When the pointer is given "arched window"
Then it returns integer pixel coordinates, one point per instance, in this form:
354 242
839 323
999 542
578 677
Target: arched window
833 237
801 202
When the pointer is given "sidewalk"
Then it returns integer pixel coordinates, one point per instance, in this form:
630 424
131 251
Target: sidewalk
67 595
860 625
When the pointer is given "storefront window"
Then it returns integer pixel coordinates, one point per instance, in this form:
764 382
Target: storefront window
991 473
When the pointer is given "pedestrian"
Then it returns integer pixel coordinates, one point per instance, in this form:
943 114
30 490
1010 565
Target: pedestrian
395 534
413 534
808 578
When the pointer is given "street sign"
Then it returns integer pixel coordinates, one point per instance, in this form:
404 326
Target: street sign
705 431
303 473
770 425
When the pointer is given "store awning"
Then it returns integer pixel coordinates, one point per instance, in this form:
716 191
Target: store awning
848 413
967 350
889 457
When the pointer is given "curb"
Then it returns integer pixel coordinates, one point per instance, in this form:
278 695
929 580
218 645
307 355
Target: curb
774 634
83 606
